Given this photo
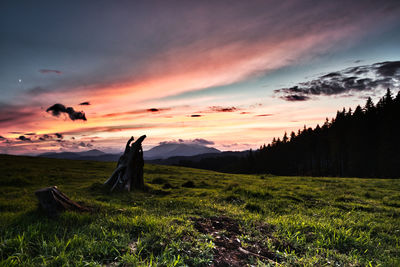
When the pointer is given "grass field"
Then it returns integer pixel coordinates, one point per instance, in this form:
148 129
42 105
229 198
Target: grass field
196 217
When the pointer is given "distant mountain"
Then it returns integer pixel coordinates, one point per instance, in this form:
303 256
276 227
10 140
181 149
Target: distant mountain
60 155
160 152
168 150
93 154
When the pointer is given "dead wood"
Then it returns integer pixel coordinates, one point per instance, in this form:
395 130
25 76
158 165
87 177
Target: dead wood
129 172
53 201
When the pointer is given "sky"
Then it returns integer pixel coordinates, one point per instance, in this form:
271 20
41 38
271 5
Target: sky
80 75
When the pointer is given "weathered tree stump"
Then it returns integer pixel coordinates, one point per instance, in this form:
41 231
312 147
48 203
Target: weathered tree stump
129 172
53 201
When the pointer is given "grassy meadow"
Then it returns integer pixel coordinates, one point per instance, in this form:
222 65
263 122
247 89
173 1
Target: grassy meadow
190 217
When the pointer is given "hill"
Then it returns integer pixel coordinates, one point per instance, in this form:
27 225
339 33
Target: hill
168 150
191 161
93 154
196 217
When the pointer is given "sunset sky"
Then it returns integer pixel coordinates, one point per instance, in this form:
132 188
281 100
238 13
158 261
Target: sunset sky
79 75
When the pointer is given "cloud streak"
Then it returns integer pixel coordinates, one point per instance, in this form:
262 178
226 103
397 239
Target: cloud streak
137 112
223 109
264 115
12 116
47 71
108 129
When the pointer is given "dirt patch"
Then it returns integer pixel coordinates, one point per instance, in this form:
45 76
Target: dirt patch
228 249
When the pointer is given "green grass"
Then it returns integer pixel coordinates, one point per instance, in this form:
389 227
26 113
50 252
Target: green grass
313 221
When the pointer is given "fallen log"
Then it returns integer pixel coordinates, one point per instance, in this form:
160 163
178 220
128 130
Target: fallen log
53 201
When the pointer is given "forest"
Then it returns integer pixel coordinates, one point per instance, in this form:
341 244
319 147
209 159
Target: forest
359 143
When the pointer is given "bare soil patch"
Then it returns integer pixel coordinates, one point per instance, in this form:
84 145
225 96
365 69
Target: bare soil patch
228 249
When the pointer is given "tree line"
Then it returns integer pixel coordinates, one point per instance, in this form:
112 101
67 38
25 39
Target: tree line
360 143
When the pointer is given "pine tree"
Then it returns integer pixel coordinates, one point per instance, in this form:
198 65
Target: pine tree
285 138
388 97
369 106
292 136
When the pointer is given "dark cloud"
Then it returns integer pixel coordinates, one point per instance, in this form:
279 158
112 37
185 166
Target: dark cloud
223 109
29 133
87 103
332 74
23 138
195 115
294 98
46 71
2 138
57 109
82 144
264 115
157 109
388 68
49 137
354 79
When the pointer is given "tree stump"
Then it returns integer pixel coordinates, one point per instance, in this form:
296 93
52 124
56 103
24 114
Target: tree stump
53 201
129 172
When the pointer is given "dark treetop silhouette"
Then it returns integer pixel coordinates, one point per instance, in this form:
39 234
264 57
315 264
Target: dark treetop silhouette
129 172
